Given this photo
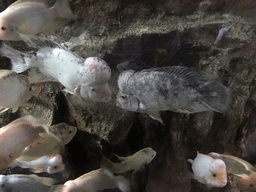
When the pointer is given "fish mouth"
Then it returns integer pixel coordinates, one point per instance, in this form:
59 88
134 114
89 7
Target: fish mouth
118 104
106 99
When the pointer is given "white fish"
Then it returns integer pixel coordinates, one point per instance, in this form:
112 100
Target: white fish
14 137
85 77
43 164
209 171
176 88
133 162
26 183
14 90
97 180
24 18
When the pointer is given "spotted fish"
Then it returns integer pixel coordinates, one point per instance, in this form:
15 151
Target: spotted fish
176 88
85 77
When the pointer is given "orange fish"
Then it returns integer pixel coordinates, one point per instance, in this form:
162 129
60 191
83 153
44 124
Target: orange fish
209 171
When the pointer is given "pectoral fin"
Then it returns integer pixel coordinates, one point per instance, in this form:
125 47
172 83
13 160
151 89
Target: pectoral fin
156 116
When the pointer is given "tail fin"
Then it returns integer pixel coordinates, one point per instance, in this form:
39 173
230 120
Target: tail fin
215 95
20 61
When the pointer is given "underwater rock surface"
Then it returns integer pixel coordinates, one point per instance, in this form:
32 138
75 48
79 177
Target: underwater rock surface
158 33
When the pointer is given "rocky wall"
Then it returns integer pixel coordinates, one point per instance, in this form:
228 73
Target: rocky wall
159 33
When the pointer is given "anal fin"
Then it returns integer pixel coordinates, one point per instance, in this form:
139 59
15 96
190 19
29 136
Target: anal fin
156 116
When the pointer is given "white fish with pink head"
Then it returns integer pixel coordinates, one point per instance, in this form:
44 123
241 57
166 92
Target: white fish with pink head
15 90
209 171
43 164
51 62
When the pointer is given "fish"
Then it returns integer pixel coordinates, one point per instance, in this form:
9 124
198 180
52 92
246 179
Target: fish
50 143
176 88
235 165
246 182
97 180
47 164
63 132
24 18
133 162
47 144
15 90
209 171
132 65
26 183
87 78
14 138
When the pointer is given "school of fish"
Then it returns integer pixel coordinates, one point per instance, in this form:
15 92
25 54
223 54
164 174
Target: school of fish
28 144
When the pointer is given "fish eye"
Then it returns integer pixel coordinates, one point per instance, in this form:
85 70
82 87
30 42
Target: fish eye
93 89
123 97
69 132
214 175
3 28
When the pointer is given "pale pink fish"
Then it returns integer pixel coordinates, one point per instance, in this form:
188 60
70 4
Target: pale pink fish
43 164
97 180
14 138
85 77
209 171
51 143
24 18
14 90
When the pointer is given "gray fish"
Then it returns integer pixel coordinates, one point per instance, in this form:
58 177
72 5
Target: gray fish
97 180
24 18
14 90
26 183
133 162
85 77
176 88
